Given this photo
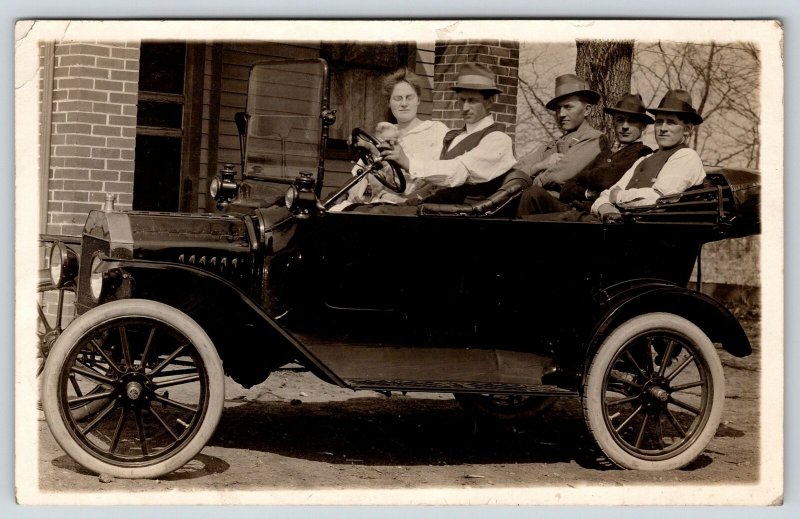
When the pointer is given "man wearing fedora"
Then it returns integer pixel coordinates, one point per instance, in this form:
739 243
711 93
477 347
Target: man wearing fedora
630 120
671 170
554 164
471 156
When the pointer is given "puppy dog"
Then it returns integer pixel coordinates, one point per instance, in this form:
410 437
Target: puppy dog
385 131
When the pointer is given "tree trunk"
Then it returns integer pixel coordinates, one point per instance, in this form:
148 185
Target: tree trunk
606 66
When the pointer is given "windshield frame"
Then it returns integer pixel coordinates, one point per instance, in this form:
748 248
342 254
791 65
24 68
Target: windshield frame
322 139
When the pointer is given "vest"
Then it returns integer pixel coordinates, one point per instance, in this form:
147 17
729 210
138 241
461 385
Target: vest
457 195
647 171
467 143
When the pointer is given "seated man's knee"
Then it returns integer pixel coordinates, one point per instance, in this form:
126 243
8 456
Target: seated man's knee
535 200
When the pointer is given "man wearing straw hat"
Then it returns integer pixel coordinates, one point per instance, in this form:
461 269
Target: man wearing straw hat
630 120
671 170
555 163
473 155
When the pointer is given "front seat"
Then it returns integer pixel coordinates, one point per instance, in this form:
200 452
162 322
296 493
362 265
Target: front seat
511 185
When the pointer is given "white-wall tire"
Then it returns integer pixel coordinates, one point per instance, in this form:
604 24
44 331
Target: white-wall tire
679 410
161 410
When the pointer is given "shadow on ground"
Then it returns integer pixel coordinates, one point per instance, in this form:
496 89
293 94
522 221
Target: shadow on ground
410 431
378 431
401 431
200 466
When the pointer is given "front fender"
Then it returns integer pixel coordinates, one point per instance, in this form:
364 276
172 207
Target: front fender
250 342
646 296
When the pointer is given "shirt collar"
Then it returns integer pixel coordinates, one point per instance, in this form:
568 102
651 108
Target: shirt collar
577 131
420 127
619 146
480 125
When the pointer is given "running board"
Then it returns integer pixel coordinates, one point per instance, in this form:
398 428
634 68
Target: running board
427 368
458 387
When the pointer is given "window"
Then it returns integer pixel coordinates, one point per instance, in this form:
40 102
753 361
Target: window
356 71
159 127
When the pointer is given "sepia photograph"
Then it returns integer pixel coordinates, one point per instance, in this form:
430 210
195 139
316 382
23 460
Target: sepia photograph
399 262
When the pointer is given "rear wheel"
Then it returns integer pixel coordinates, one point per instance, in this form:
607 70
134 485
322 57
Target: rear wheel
158 377
654 393
504 407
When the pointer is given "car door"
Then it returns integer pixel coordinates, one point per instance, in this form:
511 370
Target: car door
473 268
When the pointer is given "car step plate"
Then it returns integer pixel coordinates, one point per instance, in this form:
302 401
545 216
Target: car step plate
439 369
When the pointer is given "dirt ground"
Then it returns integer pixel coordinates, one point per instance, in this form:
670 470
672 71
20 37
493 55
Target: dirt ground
296 432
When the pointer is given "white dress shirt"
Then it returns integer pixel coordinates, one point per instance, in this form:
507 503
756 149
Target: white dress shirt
682 170
492 157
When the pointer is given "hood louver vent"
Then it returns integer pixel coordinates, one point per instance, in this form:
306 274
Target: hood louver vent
221 265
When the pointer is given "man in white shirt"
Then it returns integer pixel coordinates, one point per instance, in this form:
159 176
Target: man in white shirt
671 170
472 156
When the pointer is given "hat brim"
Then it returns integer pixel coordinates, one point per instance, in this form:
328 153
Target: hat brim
694 117
479 88
640 115
591 94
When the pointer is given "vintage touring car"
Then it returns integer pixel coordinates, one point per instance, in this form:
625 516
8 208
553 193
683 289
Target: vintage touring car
506 314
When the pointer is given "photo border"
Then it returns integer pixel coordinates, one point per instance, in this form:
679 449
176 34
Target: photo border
771 328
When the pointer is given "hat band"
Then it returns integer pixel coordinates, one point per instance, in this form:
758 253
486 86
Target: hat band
571 87
623 110
675 104
475 79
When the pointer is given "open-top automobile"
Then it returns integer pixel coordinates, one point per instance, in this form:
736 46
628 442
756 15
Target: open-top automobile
505 313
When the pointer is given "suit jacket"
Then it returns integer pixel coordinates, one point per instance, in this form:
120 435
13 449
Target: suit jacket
580 147
602 173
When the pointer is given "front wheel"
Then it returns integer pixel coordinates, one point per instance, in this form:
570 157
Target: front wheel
654 393
159 377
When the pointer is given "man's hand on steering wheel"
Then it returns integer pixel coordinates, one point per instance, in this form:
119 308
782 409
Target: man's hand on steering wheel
392 179
367 146
396 154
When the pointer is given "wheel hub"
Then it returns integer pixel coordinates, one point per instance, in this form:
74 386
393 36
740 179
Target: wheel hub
48 339
134 387
656 393
133 390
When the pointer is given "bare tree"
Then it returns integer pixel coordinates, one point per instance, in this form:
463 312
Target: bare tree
606 66
540 63
723 80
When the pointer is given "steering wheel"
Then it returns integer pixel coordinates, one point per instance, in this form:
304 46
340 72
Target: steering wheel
392 179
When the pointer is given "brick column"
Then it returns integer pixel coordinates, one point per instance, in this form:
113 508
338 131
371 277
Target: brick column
93 131
501 56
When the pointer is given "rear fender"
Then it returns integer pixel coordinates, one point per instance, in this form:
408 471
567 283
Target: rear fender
250 343
707 313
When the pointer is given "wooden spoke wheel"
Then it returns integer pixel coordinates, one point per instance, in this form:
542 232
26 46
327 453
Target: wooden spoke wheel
654 393
158 377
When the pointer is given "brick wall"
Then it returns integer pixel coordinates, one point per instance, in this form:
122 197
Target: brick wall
93 131
501 56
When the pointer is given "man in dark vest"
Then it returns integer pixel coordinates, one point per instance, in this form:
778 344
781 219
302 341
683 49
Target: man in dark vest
474 157
630 120
671 170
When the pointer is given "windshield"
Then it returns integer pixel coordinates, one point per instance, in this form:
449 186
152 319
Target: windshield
284 101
